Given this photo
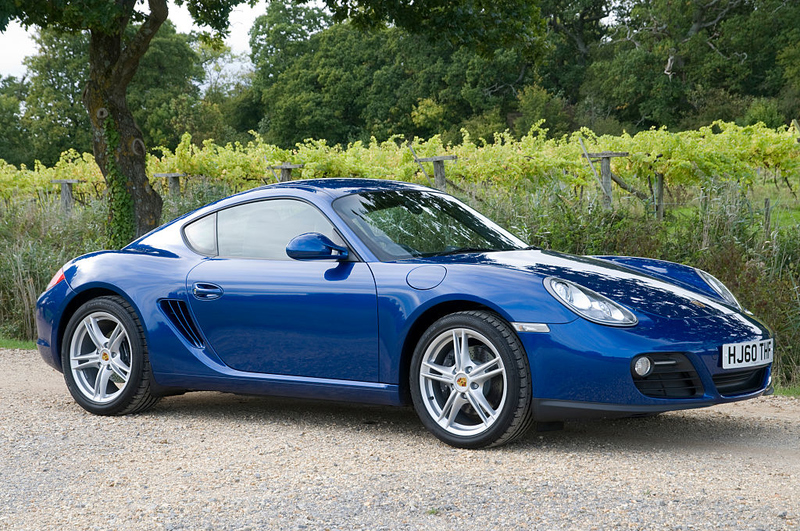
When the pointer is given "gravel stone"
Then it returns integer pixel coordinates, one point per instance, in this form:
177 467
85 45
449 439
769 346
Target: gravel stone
219 461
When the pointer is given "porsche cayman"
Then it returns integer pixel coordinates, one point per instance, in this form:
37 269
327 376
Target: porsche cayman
391 293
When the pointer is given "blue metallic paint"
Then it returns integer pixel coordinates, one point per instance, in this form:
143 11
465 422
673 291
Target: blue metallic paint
323 313
338 330
668 271
426 276
315 246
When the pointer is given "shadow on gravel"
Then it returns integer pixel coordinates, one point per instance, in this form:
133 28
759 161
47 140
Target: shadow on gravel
684 430
677 431
308 413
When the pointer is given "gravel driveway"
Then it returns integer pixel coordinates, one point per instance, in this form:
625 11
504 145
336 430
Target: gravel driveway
219 461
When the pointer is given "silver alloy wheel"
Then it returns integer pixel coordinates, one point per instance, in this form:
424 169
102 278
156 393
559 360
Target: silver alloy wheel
100 357
463 382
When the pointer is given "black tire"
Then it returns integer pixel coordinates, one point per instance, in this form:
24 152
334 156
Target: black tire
104 358
485 398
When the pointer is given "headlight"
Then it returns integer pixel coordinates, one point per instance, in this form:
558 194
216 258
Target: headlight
720 288
588 304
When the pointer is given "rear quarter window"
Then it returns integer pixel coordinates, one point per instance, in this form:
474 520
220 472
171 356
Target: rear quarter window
201 235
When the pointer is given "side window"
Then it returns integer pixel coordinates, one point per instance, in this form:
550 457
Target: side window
202 235
264 228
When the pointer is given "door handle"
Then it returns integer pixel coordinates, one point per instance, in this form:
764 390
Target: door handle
205 291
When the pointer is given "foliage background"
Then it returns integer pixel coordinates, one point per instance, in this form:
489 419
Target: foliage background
538 187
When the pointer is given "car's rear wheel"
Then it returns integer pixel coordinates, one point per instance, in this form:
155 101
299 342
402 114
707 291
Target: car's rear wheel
104 358
470 381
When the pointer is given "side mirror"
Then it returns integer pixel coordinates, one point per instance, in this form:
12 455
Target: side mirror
315 246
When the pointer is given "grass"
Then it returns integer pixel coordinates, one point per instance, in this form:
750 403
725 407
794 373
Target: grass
17 344
788 391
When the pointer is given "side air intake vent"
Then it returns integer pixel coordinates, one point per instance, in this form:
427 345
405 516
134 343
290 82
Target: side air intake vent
178 314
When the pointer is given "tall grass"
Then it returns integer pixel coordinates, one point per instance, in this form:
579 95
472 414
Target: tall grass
36 238
720 230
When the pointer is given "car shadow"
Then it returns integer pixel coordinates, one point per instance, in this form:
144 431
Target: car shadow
681 430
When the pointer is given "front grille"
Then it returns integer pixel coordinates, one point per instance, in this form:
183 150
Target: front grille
740 382
178 314
673 376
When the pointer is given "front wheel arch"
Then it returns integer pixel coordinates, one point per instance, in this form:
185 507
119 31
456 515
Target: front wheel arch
420 325
470 381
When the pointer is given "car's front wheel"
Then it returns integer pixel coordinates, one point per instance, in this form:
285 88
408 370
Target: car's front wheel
104 358
470 381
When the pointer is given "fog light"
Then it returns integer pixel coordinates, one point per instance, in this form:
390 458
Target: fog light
643 366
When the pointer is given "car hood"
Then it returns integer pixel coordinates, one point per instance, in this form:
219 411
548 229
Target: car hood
630 286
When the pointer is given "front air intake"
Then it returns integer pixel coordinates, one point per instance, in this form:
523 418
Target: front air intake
740 382
178 313
673 376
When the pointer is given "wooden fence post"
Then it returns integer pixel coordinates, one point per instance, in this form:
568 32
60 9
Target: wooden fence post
605 175
659 196
286 170
604 157
439 178
174 181
66 193
767 219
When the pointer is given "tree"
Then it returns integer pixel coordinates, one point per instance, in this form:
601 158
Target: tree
54 116
668 63
114 58
12 135
163 96
485 25
574 28
535 104
167 79
343 84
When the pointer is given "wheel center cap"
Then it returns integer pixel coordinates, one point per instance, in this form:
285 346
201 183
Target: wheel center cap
461 381
104 356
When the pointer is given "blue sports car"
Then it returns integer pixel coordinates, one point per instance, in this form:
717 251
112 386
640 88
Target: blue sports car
384 292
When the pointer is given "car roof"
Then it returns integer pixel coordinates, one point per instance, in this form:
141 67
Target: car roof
338 187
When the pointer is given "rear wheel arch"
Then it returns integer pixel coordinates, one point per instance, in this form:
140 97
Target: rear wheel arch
79 300
105 360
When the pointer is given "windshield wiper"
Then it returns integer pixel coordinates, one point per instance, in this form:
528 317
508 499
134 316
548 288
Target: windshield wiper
461 250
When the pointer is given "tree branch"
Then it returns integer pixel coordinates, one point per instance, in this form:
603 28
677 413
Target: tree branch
136 48
628 188
699 24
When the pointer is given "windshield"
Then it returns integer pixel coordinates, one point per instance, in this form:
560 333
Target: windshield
399 225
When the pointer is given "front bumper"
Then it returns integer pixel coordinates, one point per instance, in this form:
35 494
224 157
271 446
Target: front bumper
583 370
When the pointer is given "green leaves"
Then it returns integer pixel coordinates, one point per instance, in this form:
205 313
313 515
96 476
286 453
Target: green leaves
484 25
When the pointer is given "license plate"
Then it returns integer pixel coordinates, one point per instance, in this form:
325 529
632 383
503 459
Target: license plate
750 354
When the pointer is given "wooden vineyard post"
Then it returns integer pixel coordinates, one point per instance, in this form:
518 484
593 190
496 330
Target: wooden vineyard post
439 178
174 181
605 178
767 219
286 170
66 193
659 196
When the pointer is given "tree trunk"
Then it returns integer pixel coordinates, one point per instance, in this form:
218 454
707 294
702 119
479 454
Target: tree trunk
135 207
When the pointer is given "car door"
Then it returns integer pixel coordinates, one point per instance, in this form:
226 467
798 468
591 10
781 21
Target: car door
263 312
